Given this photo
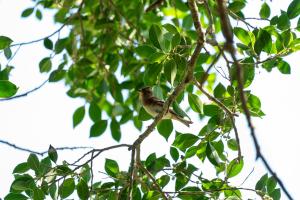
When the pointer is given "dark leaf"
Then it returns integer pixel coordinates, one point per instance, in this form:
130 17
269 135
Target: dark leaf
293 9
184 141
7 89
83 190
15 196
111 167
52 153
195 103
21 168
165 128
265 11
78 116
27 12
66 188
115 129
48 43
234 168
33 162
94 112
45 64
155 35
5 42
98 128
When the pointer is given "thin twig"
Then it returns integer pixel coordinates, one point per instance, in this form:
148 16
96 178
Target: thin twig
156 185
40 39
26 93
154 5
188 77
204 77
40 153
227 33
237 138
131 174
217 101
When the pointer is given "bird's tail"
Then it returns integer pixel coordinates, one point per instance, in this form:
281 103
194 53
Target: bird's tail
184 121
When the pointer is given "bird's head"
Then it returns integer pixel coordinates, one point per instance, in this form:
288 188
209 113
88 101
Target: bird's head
145 91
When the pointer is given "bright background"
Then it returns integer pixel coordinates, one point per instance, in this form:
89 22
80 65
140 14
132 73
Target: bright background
45 116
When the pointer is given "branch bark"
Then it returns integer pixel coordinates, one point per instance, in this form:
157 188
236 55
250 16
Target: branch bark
227 33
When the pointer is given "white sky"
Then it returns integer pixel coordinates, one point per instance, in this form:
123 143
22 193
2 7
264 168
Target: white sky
45 116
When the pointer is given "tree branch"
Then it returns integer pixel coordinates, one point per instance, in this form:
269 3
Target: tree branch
188 77
26 93
154 5
227 33
40 153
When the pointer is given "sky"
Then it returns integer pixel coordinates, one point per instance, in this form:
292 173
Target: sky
45 116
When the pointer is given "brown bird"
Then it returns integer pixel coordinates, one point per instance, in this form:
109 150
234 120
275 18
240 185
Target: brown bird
154 106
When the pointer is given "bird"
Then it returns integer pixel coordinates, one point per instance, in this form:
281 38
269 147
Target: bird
154 106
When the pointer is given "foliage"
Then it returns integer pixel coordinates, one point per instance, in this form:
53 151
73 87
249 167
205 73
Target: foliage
116 47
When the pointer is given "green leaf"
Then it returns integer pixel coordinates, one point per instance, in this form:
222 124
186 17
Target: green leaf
22 183
38 194
212 155
60 45
98 128
195 103
5 42
284 67
38 14
181 181
45 64
170 70
174 153
111 167
219 91
242 35
57 75
27 12
211 110
265 11
262 182
263 42
78 116
165 128
157 92
184 141
94 112
66 188
234 168
232 144
48 43
7 53
145 51
152 73
83 190
33 162
171 28
271 184
144 115
276 194
115 129
236 6
15 196
155 35
179 111
176 40
293 9
7 89
21 168
283 21
52 153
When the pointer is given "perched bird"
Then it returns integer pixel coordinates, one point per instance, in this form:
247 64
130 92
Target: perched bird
154 106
